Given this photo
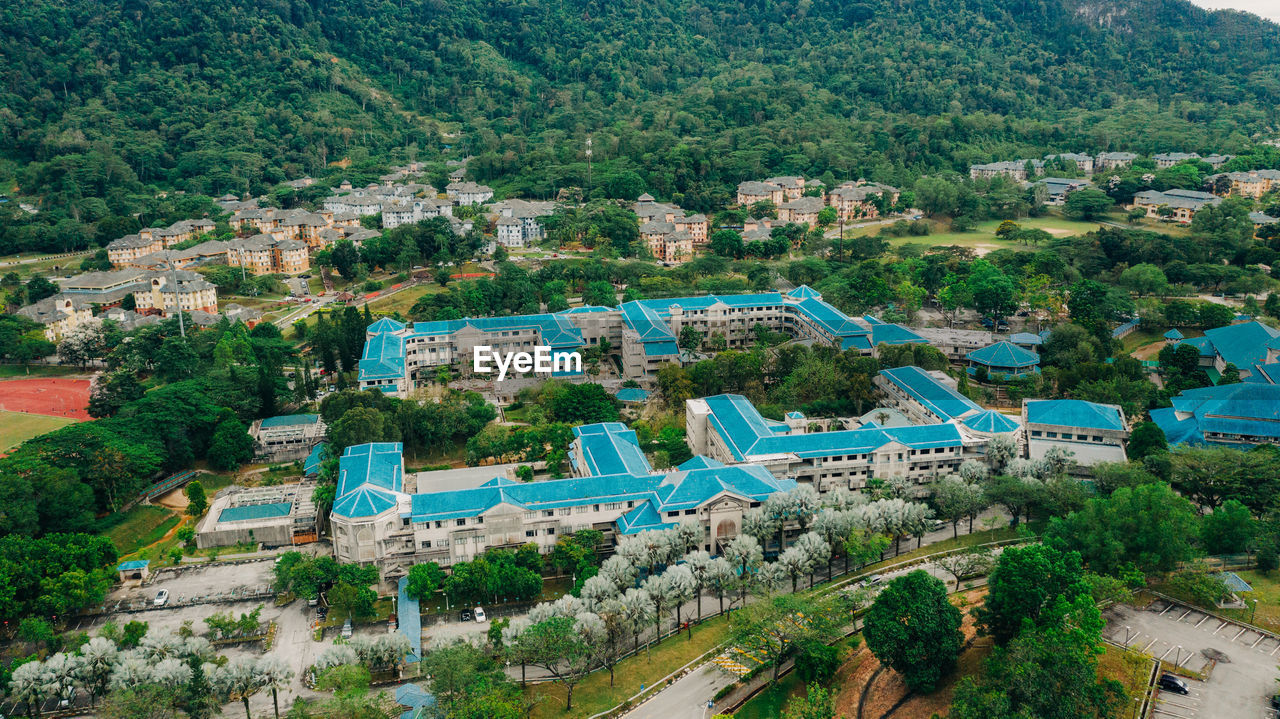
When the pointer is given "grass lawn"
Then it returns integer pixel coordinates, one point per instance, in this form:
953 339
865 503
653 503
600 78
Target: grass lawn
593 694
18 427
983 237
17 371
1129 668
1266 590
403 300
769 703
139 527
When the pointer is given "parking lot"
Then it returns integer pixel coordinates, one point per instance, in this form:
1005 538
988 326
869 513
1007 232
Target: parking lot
1240 662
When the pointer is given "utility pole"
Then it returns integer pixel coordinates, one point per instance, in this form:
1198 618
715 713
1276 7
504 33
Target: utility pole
177 302
588 164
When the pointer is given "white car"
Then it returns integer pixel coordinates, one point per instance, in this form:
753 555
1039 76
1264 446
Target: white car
479 614
162 598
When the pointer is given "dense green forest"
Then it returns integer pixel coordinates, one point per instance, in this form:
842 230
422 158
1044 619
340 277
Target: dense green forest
103 104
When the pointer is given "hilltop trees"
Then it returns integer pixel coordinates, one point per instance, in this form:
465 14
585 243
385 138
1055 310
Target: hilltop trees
913 629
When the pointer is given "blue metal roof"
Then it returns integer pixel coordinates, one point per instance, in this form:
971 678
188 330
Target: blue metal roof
369 476
311 465
1074 413
610 448
1246 409
804 292
1243 345
746 433
383 357
887 334
924 388
655 349
642 518
646 322
1026 338
289 420
132 565
386 324
1177 431
632 394
255 511
990 422
1004 354
366 501
1173 334
699 461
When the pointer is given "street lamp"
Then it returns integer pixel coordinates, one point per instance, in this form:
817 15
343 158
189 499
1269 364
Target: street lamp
1128 634
1178 656
1253 611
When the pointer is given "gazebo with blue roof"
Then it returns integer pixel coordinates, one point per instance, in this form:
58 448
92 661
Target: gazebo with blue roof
632 395
134 569
1004 360
1173 337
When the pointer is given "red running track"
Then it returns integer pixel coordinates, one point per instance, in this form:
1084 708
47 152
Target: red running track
56 396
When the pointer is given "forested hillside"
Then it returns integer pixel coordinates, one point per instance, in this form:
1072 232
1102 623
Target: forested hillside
102 100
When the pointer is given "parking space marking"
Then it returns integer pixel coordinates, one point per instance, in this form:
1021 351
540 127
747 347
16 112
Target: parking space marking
1202 620
1237 636
1165 610
1153 641
1220 626
1273 651
1184 615
1166 653
1260 638
1159 709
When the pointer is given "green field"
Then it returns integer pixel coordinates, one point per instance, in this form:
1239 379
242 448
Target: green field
139 527
18 427
982 237
404 300
17 371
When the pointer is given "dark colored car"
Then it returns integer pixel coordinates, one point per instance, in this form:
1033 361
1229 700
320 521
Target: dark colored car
1170 683
466 615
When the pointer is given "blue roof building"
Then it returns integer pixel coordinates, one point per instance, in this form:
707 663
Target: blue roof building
1245 414
1091 432
1026 340
646 331
1173 336
607 448
632 395
923 397
1004 360
1248 345
311 466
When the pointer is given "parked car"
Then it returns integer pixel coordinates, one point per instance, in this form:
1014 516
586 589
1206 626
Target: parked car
1170 683
162 598
872 580
346 629
479 612
466 615
322 612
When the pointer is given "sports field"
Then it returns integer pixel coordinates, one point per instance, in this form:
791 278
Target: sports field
18 427
56 396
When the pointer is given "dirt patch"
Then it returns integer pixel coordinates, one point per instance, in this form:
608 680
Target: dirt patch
887 688
1059 232
173 500
984 249
55 396
1147 351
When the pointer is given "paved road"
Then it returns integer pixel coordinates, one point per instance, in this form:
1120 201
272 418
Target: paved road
687 698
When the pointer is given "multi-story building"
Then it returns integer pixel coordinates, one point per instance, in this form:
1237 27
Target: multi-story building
751 192
286 438
729 429
669 234
278 516
792 186
1114 160
468 193
853 201
1166 160
59 314
1013 169
1239 415
696 225
1217 161
265 255
645 332
1058 188
1252 347
167 293
1253 183
154 239
410 211
376 521
1182 204
1084 163
803 210
1091 432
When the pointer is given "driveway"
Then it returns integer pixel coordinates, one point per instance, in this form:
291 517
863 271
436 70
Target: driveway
1240 661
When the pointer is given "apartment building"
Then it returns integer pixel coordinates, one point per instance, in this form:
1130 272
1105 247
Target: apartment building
1013 169
468 193
166 293
802 210
1176 205
1114 160
59 314
265 255
1091 432
854 200
1254 183
154 239
1083 163
659 222
751 192
1233 415
792 186
1166 160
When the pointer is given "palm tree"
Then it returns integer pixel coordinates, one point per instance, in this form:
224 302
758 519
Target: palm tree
240 679
276 675
99 658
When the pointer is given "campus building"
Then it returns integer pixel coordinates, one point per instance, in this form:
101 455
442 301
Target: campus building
1242 415
1254 349
286 438
1092 432
396 356
376 521
278 516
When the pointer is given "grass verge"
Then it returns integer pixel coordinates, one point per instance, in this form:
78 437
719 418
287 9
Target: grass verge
139 527
594 694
